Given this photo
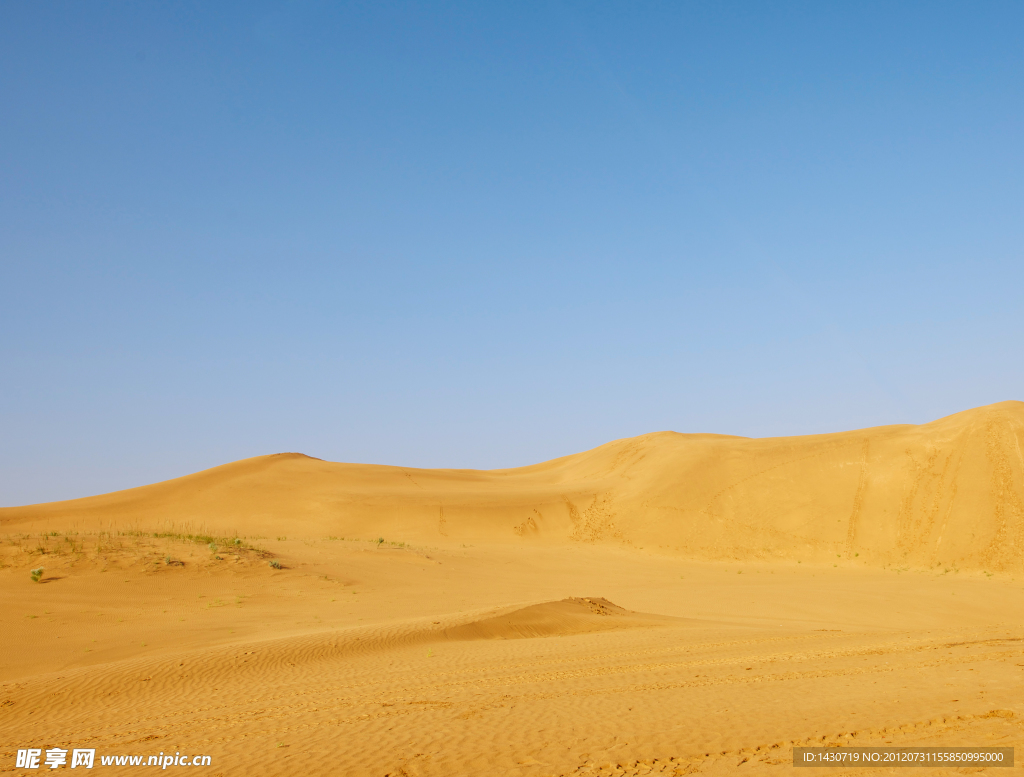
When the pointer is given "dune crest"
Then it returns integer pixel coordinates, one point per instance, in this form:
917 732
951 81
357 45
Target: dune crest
949 492
550 619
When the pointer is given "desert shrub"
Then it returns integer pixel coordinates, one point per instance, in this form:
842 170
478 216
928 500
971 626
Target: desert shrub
275 564
37 575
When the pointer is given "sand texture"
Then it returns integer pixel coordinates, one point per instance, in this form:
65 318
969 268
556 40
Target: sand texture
666 604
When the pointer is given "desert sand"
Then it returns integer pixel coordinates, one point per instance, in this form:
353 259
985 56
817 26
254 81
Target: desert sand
666 604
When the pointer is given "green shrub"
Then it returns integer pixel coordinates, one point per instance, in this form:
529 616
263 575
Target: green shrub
37 575
275 564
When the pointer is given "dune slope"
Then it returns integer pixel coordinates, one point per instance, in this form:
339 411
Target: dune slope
949 492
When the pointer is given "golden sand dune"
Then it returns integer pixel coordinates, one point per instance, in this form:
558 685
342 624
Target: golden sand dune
574 615
285 615
951 491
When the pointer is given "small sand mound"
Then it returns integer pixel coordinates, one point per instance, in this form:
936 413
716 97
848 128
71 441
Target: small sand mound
568 616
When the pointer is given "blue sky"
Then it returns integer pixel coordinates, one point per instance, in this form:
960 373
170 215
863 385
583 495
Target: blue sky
485 235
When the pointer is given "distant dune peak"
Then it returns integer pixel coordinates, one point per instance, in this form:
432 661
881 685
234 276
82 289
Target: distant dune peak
947 493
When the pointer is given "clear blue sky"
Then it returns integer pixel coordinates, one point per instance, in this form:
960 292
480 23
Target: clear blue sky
484 235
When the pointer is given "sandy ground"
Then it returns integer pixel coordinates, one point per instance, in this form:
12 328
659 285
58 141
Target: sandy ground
670 604
360 659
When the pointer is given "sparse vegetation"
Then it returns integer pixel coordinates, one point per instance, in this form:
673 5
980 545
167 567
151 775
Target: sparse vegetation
118 549
275 564
37 574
